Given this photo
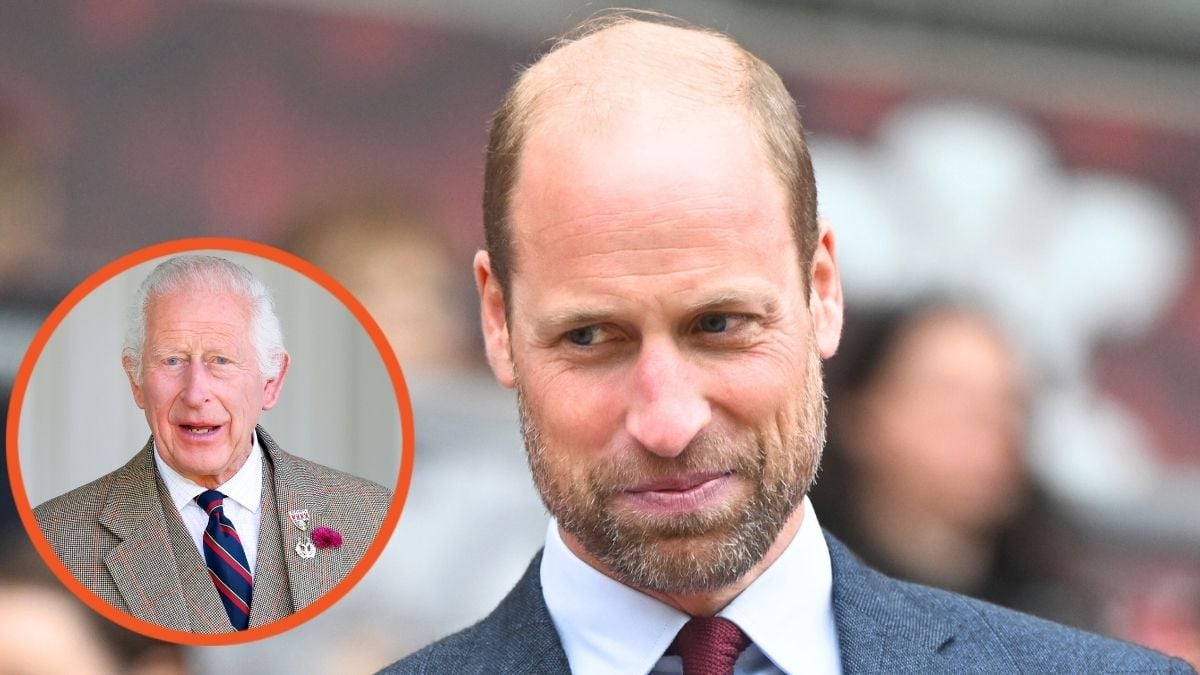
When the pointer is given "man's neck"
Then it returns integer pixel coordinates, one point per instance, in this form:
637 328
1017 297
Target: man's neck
710 602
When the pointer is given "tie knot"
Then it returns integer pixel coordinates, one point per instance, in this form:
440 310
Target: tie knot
209 500
709 645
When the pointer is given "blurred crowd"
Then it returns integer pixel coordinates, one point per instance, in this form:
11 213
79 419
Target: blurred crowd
930 473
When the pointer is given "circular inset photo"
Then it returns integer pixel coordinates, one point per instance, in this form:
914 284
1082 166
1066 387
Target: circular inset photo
209 441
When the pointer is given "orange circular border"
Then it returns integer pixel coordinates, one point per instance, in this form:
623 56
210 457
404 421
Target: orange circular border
399 494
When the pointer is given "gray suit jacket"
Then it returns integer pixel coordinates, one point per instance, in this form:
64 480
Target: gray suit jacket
123 539
884 626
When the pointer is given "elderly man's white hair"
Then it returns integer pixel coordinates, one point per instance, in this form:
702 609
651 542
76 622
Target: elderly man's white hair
214 275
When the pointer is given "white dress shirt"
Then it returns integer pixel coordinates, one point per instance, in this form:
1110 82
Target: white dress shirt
243 497
608 627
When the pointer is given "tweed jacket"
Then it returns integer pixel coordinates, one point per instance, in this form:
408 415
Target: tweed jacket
884 626
123 539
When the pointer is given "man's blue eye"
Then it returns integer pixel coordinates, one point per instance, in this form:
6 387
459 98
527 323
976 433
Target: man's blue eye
582 336
221 361
714 323
172 361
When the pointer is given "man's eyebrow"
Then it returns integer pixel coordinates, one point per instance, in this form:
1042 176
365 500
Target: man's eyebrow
161 350
573 317
725 300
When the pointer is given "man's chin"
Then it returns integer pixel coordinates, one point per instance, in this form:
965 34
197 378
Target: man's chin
672 530
683 555
203 464
682 565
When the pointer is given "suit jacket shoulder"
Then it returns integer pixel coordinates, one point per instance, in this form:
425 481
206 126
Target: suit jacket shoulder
884 626
353 502
887 625
83 503
84 524
517 638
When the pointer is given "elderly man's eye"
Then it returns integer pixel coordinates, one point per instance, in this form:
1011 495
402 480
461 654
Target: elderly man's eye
172 361
221 361
714 323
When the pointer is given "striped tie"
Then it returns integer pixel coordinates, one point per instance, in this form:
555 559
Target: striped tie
226 560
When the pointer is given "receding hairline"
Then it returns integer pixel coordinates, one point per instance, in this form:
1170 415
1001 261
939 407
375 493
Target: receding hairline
628 60
617 60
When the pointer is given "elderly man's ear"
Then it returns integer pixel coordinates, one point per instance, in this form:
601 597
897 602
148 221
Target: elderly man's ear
825 295
273 386
494 320
138 397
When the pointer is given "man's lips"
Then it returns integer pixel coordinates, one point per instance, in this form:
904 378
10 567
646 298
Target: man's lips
686 492
200 429
681 483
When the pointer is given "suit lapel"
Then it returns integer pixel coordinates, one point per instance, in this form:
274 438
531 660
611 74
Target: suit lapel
521 631
156 559
295 489
881 627
272 600
208 614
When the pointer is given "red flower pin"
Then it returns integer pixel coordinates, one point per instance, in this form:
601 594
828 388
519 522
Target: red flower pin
326 537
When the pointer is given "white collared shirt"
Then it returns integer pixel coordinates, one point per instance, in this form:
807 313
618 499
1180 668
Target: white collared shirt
608 627
243 497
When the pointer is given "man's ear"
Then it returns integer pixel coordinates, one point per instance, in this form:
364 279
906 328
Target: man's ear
139 396
273 386
494 320
825 299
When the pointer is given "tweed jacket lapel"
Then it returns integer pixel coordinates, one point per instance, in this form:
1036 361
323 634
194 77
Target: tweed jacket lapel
272 598
208 614
295 488
176 592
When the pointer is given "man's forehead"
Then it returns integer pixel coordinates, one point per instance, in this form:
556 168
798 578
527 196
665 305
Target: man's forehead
635 94
636 158
646 201
199 305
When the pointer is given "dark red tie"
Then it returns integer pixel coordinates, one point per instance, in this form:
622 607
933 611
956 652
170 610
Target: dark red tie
709 646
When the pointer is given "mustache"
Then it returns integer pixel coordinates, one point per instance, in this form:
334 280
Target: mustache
709 453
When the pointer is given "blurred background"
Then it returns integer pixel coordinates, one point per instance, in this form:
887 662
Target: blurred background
1014 189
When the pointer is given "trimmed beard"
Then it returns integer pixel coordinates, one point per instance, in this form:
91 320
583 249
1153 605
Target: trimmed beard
693 552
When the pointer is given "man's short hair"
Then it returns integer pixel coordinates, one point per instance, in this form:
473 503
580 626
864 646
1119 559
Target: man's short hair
214 275
751 83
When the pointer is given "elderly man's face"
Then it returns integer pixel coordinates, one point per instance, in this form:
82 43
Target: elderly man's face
664 350
201 386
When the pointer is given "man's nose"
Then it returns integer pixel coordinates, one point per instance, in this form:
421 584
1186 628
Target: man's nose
668 407
196 384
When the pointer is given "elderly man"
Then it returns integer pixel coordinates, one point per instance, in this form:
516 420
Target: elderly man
658 290
211 527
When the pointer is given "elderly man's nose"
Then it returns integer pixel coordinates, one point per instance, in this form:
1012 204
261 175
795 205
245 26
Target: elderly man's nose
197 384
668 407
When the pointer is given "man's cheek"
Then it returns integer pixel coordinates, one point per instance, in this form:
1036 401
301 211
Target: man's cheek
576 410
750 390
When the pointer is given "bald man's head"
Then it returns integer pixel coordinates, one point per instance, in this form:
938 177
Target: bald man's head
619 64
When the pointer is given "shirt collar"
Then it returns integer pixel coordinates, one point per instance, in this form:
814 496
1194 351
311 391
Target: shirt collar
245 487
788 610
606 626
